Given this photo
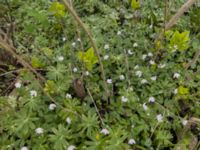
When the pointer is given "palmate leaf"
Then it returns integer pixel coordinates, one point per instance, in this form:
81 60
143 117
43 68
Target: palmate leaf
60 136
163 137
88 58
56 73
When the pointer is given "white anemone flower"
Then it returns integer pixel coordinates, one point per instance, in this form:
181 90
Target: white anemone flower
176 75
138 73
106 46
71 147
33 93
122 77
109 81
24 148
18 85
151 99
159 118
131 142
124 99
105 131
68 120
52 106
39 130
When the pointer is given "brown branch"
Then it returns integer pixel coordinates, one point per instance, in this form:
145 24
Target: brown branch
82 25
194 60
12 51
179 13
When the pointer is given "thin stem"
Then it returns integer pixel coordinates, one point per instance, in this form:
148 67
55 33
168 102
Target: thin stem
95 106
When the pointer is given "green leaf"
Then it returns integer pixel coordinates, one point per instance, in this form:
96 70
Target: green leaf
60 137
50 87
135 4
57 9
183 90
36 62
88 58
179 41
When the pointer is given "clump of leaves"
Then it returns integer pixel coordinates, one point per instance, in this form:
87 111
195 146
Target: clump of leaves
89 58
178 41
57 9
135 4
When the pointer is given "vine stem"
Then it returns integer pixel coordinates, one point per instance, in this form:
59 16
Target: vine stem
82 25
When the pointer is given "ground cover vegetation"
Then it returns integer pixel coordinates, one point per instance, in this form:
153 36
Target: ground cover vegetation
99 75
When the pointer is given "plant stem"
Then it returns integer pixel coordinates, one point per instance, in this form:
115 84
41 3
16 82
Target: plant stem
79 21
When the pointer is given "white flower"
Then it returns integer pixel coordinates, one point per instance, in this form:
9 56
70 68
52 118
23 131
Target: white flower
71 147
138 73
151 62
161 66
73 44
24 148
136 67
106 46
144 57
39 130
135 45
119 32
122 77
132 126
151 26
175 47
153 78
68 120
68 96
105 131
124 99
106 57
145 106
184 122
175 91
64 39
79 40
75 69
60 58
33 93
52 106
151 99
109 81
87 73
159 118
150 54
18 85
130 52
176 75
131 142
144 81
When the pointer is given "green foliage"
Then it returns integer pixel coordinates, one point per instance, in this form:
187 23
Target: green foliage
146 82
36 62
183 90
50 87
89 58
57 9
60 137
178 41
135 4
